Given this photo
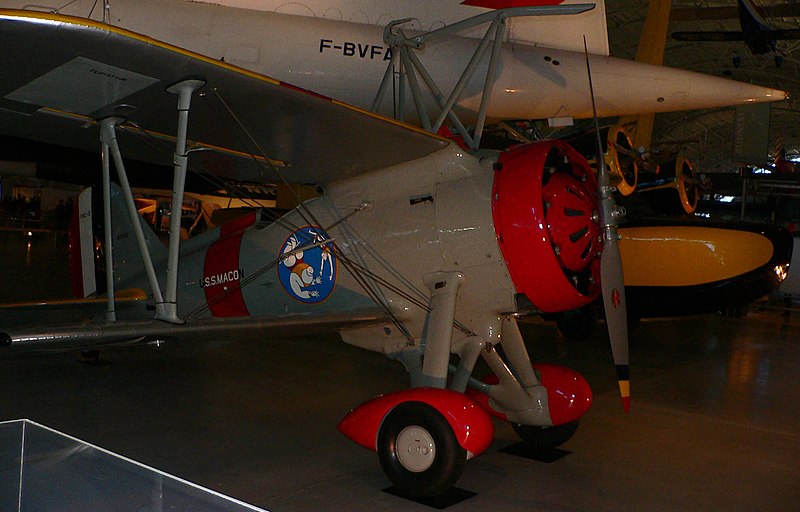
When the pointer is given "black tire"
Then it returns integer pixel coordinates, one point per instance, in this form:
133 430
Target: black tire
426 476
543 439
578 324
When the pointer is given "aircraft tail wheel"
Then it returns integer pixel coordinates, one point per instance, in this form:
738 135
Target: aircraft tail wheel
542 439
418 450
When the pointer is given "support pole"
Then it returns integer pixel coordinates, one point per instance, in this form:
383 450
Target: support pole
528 406
499 26
439 97
184 90
108 244
416 94
517 354
108 136
400 99
462 82
470 351
388 77
744 197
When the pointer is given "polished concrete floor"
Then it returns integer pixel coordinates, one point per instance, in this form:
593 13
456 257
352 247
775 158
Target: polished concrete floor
715 421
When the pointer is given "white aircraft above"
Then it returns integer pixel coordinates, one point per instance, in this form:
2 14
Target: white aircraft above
340 49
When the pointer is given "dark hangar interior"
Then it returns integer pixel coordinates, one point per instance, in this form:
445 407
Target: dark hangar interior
252 414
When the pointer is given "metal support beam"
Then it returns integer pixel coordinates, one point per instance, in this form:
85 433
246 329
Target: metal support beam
416 94
463 80
388 77
184 90
516 353
499 27
108 245
108 136
439 97
744 198
469 353
528 406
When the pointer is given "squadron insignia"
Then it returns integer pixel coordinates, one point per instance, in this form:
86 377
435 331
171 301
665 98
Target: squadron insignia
308 275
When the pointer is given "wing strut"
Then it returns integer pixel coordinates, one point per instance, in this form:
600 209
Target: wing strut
184 90
111 313
166 303
108 138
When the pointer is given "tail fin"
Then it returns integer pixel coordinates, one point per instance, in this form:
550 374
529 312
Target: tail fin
87 247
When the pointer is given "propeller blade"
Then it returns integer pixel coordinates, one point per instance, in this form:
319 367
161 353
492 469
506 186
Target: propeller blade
616 314
611 277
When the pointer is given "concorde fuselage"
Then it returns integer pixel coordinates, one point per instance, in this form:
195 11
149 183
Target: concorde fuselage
346 61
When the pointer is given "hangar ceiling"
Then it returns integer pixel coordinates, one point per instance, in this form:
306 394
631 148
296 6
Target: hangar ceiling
707 136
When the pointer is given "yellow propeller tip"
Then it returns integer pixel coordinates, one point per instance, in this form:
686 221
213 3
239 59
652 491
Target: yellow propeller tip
625 394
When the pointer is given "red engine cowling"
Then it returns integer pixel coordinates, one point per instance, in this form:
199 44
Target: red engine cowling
544 204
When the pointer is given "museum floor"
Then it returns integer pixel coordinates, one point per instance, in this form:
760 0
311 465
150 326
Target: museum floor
715 421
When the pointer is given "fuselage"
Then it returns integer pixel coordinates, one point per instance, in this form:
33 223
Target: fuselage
436 216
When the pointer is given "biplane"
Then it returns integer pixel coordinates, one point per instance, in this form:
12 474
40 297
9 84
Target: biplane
413 247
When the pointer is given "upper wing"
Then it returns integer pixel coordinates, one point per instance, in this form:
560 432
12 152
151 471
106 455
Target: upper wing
59 74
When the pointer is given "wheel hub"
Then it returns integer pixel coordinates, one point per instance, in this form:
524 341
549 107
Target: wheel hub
416 449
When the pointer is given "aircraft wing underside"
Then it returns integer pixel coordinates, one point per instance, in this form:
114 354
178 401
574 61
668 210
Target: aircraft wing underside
72 336
60 74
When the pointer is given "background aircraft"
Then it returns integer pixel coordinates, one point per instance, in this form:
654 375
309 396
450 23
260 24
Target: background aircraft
337 49
759 36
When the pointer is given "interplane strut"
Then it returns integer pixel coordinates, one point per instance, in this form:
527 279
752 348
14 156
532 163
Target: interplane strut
165 302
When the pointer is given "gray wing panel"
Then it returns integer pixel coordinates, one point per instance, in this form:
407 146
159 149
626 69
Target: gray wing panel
58 74
95 335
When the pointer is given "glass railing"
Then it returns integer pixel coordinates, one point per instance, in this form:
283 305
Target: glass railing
45 470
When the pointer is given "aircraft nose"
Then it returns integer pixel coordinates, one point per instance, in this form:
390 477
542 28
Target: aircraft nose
777 94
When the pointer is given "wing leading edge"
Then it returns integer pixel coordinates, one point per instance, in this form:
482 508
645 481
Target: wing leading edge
59 74
97 335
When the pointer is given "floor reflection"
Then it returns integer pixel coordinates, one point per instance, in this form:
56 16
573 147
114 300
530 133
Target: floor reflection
34 267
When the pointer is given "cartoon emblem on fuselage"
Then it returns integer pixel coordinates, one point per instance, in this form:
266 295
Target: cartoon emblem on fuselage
308 275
